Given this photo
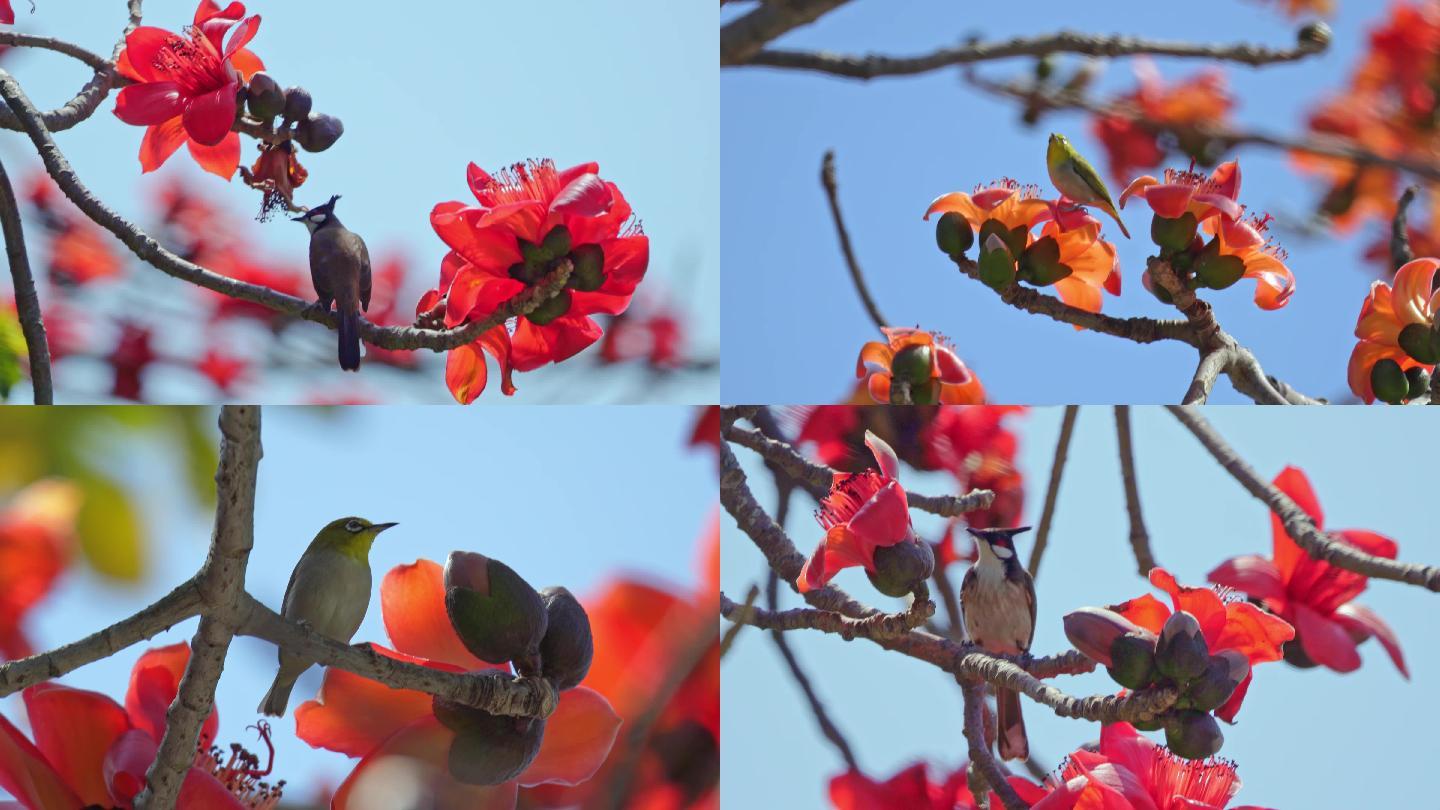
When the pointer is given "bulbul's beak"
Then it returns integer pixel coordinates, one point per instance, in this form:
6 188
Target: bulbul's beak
380 527
301 218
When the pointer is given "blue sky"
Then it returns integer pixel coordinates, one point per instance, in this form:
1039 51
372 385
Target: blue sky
567 496
423 89
1301 733
900 142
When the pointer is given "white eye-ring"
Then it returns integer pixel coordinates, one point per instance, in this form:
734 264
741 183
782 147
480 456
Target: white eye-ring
353 525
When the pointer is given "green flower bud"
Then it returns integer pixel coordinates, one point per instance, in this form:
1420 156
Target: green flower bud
1315 35
900 567
997 268
953 234
1219 680
488 749
297 104
588 274
318 132
1173 234
1153 724
1218 272
924 393
264 97
550 309
912 364
1132 659
567 648
1181 654
1040 263
1192 734
1419 381
1045 67
1418 341
496 613
1388 382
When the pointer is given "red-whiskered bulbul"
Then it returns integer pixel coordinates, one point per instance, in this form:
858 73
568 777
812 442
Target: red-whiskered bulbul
340 271
997 598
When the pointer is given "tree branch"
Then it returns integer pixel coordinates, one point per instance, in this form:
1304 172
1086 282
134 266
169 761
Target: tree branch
27 302
822 717
152 252
827 179
1400 252
1052 491
991 778
91 94
1298 524
742 38
1139 537
873 65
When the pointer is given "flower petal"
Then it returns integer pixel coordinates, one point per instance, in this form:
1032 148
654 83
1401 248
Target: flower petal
160 142
578 737
26 775
885 458
354 715
154 681
222 159
465 372
209 116
1325 641
409 770
241 35
412 603
1293 482
586 195
1146 611
1358 618
491 250
73 728
142 53
149 103
1252 574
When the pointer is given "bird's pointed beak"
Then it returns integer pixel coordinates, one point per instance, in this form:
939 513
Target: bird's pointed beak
300 218
380 527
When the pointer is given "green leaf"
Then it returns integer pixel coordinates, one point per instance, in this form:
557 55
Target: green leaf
110 529
12 348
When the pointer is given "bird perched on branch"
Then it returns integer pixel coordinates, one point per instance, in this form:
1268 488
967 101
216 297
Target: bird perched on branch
997 598
1073 175
329 591
340 271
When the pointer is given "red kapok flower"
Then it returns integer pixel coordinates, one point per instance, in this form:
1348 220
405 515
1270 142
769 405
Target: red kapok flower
185 86
1005 201
911 789
37 536
129 359
864 511
1313 595
979 449
224 370
927 364
527 219
1226 624
1129 771
1190 191
7 14
1384 314
90 751
387 727
707 428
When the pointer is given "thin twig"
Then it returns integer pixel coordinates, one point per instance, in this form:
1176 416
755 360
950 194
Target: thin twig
734 629
873 65
27 302
88 99
1400 253
1139 537
1297 523
827 179
152 252
1052 491
822 717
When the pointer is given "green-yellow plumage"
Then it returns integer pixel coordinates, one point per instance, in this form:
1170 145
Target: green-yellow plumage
330 591
1073 175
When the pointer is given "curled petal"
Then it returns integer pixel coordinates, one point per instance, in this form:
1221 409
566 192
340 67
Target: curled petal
1251 574
1169 200
578 738
465 373
412 603
1413 289
1359 619
1326 642
885 457
1137 186
874 356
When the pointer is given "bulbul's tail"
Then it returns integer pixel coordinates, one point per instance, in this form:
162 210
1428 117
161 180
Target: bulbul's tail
278 697
350 340
1010 732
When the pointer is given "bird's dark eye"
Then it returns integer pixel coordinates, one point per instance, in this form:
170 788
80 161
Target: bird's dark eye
353 526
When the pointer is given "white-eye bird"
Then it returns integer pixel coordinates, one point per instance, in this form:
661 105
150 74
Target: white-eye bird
997 599
1073 175
329 591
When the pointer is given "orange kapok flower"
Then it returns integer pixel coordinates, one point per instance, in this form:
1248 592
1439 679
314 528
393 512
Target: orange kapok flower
1132 140
186 86
912 789
863 512
91 751
1406 309
1264 261
37 537
1227 624
387 727
918 365
1313 595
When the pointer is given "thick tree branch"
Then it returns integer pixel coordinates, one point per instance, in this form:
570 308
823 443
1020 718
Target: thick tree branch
1052 491
152 252
1298 524
220 581
742 38
1139 536
857 276
872 66
27 302
91 95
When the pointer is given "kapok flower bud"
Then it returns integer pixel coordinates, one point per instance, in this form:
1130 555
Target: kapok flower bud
1418 341
1093 630
588 273
297 104
1193 734
318 132
1040 263
997 266
1315 35
913 364
1181 653
1216 271
1419 380
550 309
495 612
264 96
953 234
1226 670
488 749
567 648
1173 234
1388 382
899 568
1132 659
